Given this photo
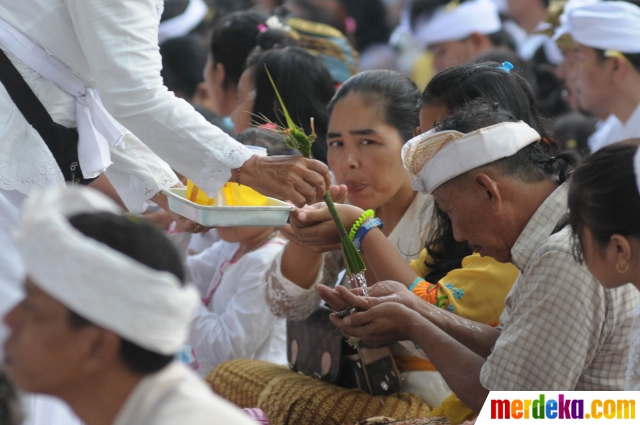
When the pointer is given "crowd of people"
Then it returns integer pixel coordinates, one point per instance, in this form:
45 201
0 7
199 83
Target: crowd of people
483 156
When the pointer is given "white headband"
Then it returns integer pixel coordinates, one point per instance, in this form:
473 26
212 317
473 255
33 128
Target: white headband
563 28
607 25
434 158
142 305
455 22
636 168
182 24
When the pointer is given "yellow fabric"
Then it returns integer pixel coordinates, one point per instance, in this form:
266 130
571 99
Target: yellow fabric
476 291
455 410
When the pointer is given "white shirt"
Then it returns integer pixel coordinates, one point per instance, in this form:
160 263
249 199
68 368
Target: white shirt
632 382
176 396
110 45
613 130
234 321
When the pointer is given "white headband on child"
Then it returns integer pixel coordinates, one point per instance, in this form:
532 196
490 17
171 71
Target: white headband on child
434 158
144 306
607 25
457 21
183 24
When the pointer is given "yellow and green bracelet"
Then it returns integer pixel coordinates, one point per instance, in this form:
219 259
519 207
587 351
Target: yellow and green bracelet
364 217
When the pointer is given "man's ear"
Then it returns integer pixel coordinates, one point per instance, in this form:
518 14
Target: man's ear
220 75
480 42
104 350
490 188
621 68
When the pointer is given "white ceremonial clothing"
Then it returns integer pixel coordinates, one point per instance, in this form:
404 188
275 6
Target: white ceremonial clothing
236 323
110 45
177 396
528 46
613 130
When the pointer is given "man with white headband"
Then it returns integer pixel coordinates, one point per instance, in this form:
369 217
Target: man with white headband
104 314
608 77
455 31
505 196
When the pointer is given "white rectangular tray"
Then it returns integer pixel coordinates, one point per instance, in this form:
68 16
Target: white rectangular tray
274 214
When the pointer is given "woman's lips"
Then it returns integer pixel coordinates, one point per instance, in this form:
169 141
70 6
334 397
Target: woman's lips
355 187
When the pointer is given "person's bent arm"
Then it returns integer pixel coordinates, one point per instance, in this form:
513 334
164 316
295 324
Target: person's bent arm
120 41
390 322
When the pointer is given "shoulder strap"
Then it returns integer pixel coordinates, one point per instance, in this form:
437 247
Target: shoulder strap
26 101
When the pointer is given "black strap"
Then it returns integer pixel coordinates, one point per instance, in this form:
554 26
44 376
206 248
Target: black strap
26 101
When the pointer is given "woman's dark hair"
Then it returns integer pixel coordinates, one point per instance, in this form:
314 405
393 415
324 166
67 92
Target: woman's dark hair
183 59
603 195
145 243
232 40
306 88
397 95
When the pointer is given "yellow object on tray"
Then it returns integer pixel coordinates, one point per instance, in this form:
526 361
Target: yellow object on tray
231 194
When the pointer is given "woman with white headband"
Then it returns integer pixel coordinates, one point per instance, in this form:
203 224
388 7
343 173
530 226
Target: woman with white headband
604 205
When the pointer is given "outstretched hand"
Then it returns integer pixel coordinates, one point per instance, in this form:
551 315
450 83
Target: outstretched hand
289 178
342 298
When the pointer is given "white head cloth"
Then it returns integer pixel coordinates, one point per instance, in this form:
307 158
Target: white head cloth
97 129
455 22
434 158
563 28
636 168
182 24
142 305
607 25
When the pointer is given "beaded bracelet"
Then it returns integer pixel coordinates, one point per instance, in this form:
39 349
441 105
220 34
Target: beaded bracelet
364 217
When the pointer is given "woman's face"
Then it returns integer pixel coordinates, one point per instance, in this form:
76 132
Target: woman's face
602 262
242 116
222 96
365 152
430 114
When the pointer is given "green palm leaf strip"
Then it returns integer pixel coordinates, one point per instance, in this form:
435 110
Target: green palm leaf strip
295 138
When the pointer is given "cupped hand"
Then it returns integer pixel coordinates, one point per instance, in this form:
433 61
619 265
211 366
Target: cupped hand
313 225
380 325
289 178
342 298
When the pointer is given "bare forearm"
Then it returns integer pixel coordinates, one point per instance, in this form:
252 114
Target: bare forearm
459 366
300 265
477 337
384 260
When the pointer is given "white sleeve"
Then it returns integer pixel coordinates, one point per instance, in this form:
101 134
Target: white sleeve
240 330
138 174
202 267
120 41
285 298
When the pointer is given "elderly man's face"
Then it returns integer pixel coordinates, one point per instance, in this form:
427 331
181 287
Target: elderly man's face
477 218
44 353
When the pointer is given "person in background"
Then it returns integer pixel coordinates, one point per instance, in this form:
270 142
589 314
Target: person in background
104 314
608 77
604 206
302 80
455 34
10 410
532 44
233 38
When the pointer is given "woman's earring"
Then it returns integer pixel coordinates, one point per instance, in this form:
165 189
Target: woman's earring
620 270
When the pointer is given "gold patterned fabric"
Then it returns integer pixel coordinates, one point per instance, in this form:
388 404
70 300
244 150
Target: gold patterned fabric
425 147
288 398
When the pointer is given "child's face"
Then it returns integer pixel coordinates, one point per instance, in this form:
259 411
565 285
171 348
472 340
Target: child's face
241 234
